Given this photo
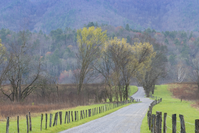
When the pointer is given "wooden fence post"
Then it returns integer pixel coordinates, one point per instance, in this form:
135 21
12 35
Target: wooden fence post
41 122
149 119
75 116
153 123
165 125
54 120
182 123
51 116
68 120
80 114
89 112
174 123
72 116
60 117
65 117
30 123
46 121
197 126
27 123
17 124
7 125
159 122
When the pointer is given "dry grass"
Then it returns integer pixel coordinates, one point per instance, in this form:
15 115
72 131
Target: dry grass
65 97
17 109
186 91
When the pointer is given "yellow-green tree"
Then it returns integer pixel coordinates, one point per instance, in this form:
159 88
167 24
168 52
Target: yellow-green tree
3 60
128 61
157 70
2 53
5 64
89 41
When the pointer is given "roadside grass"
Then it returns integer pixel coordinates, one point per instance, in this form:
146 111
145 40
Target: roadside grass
36 119
63 127
171 106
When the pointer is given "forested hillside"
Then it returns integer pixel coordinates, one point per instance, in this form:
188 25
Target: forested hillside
46 15
58 49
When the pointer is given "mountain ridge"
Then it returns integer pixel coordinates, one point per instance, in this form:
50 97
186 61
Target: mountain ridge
139 14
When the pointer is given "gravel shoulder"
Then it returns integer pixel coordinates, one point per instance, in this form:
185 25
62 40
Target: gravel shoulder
124 120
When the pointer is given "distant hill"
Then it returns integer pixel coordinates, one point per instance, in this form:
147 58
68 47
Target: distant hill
48 15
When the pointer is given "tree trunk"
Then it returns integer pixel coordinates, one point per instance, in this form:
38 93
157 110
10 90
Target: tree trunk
153 88
120 92
147 91
126 91
19 95
198 86
110 97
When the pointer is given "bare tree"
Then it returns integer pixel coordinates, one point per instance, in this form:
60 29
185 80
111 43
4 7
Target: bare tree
5 63
181 72
45 85
25 70
195 71
104 66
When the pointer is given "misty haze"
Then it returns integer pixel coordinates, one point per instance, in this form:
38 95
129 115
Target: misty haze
99 66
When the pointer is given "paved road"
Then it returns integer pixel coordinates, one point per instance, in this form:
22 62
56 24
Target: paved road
125 120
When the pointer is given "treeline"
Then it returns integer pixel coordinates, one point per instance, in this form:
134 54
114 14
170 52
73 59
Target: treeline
32 62
29 59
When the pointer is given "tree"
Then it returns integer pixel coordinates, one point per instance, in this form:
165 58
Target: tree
24 72
89 42
90 24
128 60
104 66
5 62
46 85
127 27
166 41
195 71
120 52
149 77
181 72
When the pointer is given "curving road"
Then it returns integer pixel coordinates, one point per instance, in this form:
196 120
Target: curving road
124 120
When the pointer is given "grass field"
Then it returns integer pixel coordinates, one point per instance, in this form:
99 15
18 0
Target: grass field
132 90
37 118
171 106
